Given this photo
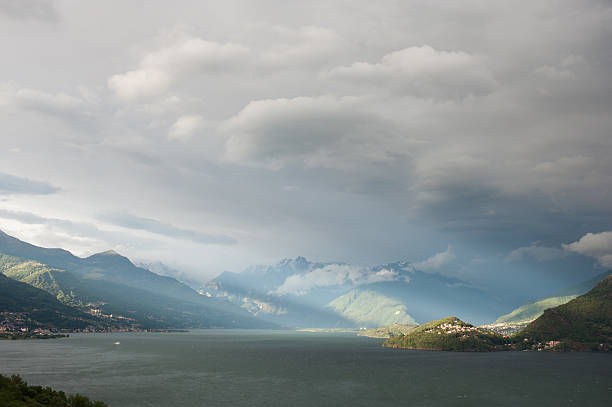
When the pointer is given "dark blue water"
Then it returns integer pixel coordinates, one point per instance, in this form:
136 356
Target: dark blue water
269 368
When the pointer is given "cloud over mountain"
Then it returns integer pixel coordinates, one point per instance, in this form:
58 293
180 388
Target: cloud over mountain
595 245
335 275
367 133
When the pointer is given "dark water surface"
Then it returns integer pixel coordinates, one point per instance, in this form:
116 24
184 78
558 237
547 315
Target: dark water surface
284 368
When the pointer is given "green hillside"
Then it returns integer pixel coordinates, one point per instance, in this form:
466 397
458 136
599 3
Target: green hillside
584 323
27 306
387 331
57 282
129 305
368 308
111 284
448 334
529 312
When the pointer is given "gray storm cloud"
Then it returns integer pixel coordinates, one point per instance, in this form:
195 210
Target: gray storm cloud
367 134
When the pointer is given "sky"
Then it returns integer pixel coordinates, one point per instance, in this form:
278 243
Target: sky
470 137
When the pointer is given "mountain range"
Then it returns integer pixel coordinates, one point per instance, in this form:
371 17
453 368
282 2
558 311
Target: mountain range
106 290
110 284
300 293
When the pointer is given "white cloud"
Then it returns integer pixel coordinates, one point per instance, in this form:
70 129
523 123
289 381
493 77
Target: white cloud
436 261
423 72
595 245
72 110
47 102
185 127
302 46
140 83
324 131
538 253
183 57
43 10
569 68
334 275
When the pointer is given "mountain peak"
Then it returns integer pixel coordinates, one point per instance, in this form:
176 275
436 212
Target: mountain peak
298 261
108 253
110 256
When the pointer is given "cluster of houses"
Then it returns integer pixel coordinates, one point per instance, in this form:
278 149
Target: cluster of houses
451 329
506 328
13 322
18 322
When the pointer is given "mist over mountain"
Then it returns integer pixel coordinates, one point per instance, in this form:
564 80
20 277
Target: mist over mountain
294 291
162 269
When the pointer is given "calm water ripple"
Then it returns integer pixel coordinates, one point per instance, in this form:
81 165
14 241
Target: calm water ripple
284 368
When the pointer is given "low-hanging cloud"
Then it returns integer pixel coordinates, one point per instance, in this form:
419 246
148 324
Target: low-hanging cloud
535 252
57 232
11 184
128 221
595 245
436 262
334 275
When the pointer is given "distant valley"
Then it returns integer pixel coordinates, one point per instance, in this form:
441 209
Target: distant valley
51 288
299 293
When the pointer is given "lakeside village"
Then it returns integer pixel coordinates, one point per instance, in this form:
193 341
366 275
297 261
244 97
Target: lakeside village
18 325
464 330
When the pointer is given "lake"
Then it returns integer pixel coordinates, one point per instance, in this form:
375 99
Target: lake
286 368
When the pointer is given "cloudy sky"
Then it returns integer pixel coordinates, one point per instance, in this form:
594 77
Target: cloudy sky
474 135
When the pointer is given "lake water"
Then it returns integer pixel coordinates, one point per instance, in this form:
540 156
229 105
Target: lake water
285 368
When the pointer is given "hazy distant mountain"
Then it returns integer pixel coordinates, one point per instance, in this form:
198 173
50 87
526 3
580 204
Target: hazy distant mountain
368 308
162 269
387 331
584 323
111 282
533 310
300 293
